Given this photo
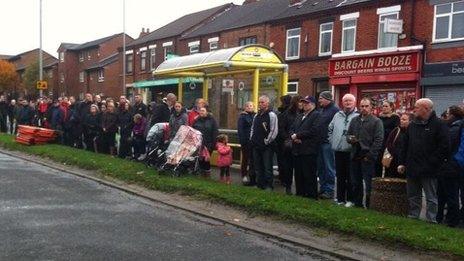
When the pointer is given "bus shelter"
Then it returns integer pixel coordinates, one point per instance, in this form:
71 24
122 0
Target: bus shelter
230 78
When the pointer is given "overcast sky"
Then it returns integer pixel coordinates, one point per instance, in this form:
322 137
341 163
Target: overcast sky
79 21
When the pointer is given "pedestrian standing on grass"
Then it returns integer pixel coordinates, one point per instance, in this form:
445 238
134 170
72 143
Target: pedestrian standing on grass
390 121
244 123
306 138
365 134
263 134
284 142
326 157
426 147
208 127
12 113
178 118
450 172
3 113
138 134
338 129
125 123
225 158
92 128
109 125
393 144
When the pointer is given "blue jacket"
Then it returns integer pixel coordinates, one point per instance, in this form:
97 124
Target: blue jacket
325 118
244 127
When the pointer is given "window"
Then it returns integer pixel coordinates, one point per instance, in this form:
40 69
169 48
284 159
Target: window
247 40
50 74
194 47
81 56
129 63
449 22
325 39
61 57
167 52
101 75
88 55
349 35
293 44
143 60
62 77
153 58
81 77
292 87
387 40
213 46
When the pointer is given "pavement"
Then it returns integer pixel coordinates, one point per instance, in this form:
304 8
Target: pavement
48 214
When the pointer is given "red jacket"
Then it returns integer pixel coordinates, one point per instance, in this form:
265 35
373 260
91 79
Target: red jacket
225 155
192 116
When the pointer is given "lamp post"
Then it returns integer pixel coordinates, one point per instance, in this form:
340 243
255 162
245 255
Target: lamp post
40 50
123 46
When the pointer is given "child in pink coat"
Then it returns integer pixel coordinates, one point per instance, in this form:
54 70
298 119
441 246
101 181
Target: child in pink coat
225 157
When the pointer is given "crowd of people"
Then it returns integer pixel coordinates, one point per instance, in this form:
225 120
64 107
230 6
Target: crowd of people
322 148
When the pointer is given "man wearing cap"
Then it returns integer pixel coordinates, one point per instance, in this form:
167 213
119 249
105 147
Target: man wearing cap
326 157
264 130
306 139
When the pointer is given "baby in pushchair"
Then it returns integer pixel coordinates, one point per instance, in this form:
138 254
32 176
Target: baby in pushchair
182 152
157 141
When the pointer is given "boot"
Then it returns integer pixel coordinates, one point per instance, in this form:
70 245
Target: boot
228 180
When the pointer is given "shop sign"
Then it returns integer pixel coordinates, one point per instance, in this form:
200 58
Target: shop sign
444 69
256 54
380 64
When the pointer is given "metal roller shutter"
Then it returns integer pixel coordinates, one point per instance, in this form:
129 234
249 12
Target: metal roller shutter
444 96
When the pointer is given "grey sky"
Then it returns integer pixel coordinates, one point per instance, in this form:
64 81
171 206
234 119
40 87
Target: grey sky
79 21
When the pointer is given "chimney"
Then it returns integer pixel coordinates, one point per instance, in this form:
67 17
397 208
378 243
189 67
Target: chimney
143 33
249 2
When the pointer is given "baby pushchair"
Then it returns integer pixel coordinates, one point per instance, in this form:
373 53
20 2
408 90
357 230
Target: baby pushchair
157 141
182 153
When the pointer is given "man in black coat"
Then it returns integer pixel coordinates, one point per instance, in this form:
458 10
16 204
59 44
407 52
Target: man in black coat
425 149
244 128
3 113
139 106
306 138
366 135
162 112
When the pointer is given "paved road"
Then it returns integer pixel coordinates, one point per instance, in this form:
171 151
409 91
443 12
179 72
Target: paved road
49 215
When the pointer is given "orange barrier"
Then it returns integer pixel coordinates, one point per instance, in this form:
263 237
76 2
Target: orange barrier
30 135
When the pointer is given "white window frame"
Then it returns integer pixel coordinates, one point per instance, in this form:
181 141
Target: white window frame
62 57
382 24
50 74
194 47
166 51
131 62
101 75
61 77
81 56
152 57
450 24
348 28
81 76
297 87
213 43
287 41
320 39
88 55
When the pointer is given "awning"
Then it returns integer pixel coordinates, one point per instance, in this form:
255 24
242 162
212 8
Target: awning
163 82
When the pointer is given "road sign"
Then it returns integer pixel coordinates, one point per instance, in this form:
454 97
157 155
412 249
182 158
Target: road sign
42 85
394 26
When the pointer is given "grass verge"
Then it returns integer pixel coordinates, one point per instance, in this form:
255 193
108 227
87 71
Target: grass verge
363 223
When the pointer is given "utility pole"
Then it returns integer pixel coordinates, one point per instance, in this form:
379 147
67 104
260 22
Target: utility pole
40 50
123 47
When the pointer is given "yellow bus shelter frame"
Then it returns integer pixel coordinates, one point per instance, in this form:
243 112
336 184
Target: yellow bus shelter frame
258 60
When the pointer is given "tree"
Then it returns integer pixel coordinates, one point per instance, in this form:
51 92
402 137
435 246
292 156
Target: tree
31 76
8 76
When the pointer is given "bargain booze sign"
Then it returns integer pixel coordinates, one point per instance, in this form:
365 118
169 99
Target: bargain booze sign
375 64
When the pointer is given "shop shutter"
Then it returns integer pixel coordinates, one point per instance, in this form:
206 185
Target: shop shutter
444 96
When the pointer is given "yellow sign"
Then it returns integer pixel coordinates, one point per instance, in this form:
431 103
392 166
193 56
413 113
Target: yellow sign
256 54
42 85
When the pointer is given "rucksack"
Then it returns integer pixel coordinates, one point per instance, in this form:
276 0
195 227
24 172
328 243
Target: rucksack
459 155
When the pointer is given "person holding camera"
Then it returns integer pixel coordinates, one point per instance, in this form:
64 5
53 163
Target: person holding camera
365 134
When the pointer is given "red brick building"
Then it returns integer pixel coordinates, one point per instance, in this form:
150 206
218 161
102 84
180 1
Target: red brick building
144 54
23 60
91 67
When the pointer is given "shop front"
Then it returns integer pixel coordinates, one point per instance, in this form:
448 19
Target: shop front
444 84
383 76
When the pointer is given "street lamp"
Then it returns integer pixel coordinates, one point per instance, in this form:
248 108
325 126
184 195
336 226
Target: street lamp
123 47
40 49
